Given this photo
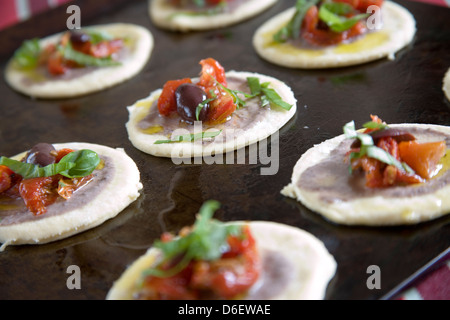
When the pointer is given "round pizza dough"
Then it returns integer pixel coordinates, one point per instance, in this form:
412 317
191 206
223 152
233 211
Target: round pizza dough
273 121
374 210
312 265
121 190
166 16
446 84
138 41
397 31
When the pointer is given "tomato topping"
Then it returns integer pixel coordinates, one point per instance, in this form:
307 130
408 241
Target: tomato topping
38 193
314 33
5 178
55 64
221 108
364 4
212 72
423 158
233 274
166 102
59 154
213 81
105 48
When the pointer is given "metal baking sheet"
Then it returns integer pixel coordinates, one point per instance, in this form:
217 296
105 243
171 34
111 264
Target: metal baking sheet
407 89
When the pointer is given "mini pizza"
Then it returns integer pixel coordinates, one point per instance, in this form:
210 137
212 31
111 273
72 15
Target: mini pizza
446 84
335 33
213 114
79 62
55 191
378 176
195 15
236 260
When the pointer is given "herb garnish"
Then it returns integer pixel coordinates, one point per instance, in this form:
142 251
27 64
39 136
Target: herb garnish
369 149
86 60
27 56
333 14
206 241
268 95
191 137
76 164
292 29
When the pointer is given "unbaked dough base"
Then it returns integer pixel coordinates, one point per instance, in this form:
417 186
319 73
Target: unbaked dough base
120 192
398 31
369 211
93 81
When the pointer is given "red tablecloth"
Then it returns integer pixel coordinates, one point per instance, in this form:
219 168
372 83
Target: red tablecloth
435 286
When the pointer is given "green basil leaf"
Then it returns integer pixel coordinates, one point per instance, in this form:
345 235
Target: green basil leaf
98 36
375 125
267 95
292 29
206 241
369 149
27 56
191 137
275 98
335 21
86 60
254 85
350 131
85 163
29 170
383 156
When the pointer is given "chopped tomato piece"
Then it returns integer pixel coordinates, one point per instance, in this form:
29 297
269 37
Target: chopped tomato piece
167 103
171 288
212 71
55 64
221 108
234 273
105 48
423 158
315 35
216 2
38 193
226 278
5 178
59 154
364 4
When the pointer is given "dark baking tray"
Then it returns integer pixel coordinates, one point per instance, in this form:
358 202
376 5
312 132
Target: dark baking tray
405 90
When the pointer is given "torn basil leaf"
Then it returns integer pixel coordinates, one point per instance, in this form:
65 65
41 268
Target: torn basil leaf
27 56
332 14
370 150
191 137
74 165
86 60
292 29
